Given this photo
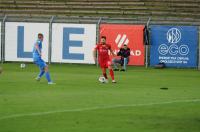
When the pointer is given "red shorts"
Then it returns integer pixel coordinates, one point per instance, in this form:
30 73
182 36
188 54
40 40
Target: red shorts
105 63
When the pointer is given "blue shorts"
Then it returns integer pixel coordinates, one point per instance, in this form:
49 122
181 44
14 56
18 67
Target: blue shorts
40 63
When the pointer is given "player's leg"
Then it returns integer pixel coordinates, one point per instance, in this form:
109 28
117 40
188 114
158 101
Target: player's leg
47 74
111 72
103 68
104 74
46 69
41 71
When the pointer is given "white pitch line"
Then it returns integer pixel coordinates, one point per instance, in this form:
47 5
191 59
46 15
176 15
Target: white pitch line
95 108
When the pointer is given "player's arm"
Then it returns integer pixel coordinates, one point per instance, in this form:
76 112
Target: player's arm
37 48
112 53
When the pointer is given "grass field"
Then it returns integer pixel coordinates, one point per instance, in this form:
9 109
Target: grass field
79 103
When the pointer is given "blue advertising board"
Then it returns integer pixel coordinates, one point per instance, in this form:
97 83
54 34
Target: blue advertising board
175 46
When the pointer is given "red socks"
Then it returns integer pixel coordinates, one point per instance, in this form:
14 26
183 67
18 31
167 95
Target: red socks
105 75
112 74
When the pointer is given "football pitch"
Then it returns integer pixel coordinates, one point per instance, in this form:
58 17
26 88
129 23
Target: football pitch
143 100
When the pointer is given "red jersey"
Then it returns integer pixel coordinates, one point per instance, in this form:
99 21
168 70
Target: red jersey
103 54
103 51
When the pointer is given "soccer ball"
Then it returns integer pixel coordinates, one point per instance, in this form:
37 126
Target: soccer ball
102 79
23 65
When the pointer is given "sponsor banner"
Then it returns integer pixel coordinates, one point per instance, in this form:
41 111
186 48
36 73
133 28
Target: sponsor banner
176 46
20 38
132 35
73 43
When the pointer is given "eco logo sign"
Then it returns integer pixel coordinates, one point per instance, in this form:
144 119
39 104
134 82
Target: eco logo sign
121 40
173 35
173 48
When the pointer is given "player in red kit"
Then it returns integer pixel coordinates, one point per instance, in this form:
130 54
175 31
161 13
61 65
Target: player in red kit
103 58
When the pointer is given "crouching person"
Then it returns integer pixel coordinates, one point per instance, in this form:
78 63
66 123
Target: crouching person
124 54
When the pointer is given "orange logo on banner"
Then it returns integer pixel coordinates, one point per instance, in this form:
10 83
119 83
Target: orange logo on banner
131 35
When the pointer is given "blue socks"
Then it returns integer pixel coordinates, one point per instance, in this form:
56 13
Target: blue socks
48 77
41 73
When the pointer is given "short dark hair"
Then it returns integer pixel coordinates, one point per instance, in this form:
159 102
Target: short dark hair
103 37
40 34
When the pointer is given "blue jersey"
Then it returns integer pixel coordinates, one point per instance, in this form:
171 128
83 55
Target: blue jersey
36 55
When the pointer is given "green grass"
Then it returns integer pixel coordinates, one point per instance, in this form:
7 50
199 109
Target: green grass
79 103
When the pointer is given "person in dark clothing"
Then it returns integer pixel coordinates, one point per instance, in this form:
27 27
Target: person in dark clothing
124 54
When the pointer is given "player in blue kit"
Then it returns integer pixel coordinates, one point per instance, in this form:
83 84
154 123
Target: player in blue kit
37 59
